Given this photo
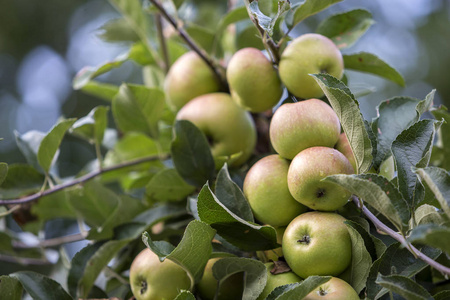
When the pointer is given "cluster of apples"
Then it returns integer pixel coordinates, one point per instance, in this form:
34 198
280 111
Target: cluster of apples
280 188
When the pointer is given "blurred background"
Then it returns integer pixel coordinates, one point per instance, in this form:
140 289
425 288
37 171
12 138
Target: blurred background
44 43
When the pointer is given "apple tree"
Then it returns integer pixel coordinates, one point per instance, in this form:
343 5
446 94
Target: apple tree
183 155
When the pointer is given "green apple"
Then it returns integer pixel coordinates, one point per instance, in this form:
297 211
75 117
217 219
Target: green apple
151 279
317 243
275 280
231 288
335 289
253 81
305 175
229 128
266 189
387 167
188 78
297 126
309 54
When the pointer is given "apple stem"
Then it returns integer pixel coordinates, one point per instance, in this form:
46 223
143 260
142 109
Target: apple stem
82 179
215 67
400 238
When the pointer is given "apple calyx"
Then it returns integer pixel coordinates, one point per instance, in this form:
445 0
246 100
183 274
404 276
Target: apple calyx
305 240
320 192
144 287
322 292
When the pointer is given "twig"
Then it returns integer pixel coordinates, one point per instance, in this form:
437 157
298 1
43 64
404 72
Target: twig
193 45
273 48
10 211
81 179
52 242
382 227
24 260
162 42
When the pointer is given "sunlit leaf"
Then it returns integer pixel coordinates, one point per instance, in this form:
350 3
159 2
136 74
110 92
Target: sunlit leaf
344 29
50 143
370 63
352 121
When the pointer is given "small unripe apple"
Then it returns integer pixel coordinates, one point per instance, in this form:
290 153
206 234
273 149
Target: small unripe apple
309 54
151 279
276 280
231 288
305 175
228 127
266 189
297 126
334 289
188 78
254 83
317 243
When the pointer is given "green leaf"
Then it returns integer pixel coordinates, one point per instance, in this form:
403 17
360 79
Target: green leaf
28 143
230 195
193 251
185 295
438 180
404 287
347 109
3 172
233 16
10 288
361 259
304 288
50 143
117 30
279 290
370 63
134 14
93 126
395 115
245 235
265 22
138 108
255 274
444 295
191 154
147 219
426 214
411 149
41 287
78 265
54 206
204 37
96 263
167 185
396 259
138 53
21 180
344 29
379 193
103 91
433 235
95 203
307 8
441 153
